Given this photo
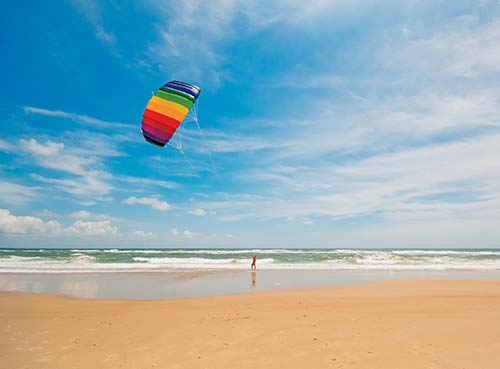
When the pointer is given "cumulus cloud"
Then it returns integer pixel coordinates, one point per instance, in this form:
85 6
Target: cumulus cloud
10 223
198 212
188 236
84 214
81 214
100 228
187 233
153 202
46 213
142 234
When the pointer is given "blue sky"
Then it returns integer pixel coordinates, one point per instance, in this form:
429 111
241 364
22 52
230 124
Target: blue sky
323 124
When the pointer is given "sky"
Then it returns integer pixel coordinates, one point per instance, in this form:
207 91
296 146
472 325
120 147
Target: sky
322 124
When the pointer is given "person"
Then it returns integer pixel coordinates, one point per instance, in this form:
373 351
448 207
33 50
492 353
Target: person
253 266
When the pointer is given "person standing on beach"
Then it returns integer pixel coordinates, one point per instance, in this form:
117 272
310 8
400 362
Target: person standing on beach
254 260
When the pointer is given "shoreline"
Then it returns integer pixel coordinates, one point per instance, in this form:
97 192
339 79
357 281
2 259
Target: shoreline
410 323
181 284
262 292
237 259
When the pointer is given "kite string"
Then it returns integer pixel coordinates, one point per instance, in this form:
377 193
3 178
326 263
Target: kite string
177 142
193 169
196 121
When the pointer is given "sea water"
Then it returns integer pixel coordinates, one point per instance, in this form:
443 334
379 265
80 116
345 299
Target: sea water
36 260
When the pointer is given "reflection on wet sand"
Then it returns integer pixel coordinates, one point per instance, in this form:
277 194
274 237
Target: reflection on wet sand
84 289
166 285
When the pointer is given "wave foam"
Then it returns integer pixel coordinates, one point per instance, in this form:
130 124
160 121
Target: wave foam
101 260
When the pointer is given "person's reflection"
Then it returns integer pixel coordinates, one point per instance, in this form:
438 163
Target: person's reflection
254 275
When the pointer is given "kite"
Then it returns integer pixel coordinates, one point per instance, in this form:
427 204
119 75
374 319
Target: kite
166 110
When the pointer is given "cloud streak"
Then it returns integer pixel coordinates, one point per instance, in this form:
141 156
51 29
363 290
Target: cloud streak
79 118
86 178
388 185
92 12
15 194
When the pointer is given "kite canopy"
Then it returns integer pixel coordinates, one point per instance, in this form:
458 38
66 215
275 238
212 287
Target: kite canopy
166 110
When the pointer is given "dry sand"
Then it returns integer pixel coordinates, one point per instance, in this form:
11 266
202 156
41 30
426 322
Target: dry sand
398 324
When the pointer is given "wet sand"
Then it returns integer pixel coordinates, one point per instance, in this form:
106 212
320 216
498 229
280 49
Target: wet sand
177 284
391 324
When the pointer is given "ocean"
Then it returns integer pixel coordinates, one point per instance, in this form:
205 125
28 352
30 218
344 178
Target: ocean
165 260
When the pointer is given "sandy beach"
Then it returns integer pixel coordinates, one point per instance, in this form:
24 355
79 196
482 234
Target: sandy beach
391 324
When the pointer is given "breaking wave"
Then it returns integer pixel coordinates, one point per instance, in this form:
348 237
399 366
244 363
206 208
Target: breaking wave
165 260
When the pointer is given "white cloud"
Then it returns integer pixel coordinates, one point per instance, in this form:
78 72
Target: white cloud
47 149
89 188
153 202
325 80
100 228
464 48
148 182
392 185
13 193
187 233
387 141
46 213
92 12
87 180
50 155
437 83
222 142
187 236
189 41
192 39
84 214
81 214
418 123
198 212
6 146
10 223
79 118
142 234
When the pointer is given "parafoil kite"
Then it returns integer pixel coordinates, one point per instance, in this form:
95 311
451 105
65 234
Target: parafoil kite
166 110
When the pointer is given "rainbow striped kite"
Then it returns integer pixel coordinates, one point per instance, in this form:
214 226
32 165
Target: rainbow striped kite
166 110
